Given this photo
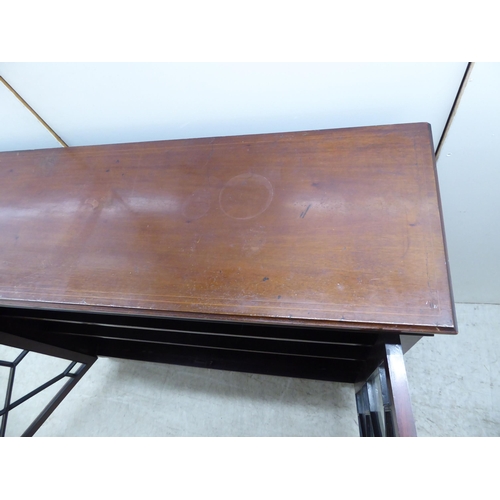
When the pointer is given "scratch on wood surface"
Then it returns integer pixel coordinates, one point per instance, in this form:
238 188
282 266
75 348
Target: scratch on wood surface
303 214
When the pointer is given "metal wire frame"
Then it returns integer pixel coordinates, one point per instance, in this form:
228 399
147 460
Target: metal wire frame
74 377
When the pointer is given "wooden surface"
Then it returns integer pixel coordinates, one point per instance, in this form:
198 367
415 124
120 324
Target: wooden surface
336 228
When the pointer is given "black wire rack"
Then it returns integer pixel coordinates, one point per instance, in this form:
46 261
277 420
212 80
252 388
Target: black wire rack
78 366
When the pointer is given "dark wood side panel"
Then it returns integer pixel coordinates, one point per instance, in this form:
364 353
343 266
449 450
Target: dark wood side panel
274 350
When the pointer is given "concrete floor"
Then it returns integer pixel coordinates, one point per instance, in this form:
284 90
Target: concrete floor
454 381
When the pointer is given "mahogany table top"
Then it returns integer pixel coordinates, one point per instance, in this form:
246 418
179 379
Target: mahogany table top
335 228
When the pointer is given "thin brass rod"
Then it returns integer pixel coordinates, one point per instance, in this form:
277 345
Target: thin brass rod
37 116
454 107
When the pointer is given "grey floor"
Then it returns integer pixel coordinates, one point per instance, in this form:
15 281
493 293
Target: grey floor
454 384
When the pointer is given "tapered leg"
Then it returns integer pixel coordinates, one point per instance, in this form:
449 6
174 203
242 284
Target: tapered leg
383 401
399 393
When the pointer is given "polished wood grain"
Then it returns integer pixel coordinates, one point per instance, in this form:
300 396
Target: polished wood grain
336 228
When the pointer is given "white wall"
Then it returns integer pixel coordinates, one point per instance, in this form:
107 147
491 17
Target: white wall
110 103
469 174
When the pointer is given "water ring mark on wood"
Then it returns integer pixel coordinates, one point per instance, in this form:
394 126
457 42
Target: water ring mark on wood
246 196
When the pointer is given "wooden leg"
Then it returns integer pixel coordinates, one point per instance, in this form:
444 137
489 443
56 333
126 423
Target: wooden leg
399 394
383 400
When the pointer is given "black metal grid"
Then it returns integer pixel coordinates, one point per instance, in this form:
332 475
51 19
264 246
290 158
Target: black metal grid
70 373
